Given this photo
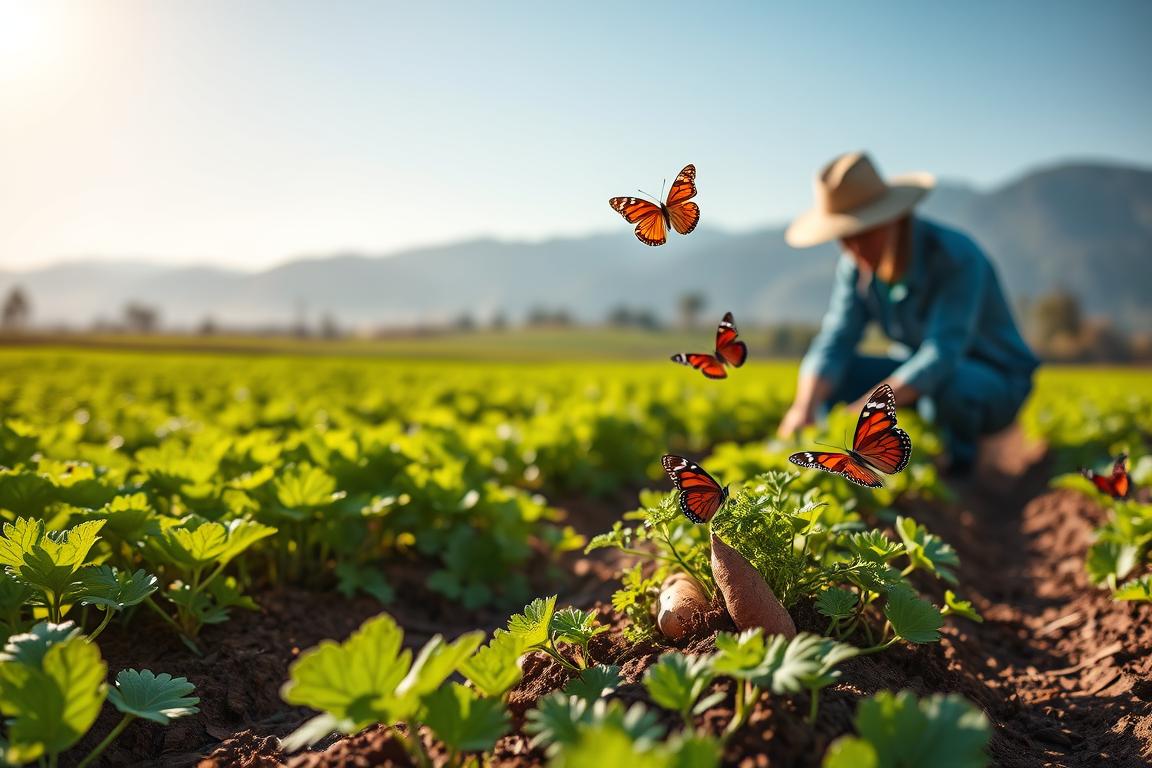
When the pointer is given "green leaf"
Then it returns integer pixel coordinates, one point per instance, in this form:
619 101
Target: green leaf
850 752
127 517
106 587
954 605
686 750
605 744
571 625
805 661
434 664
913 619
739 656
464 721
593 683
942 731
306 487
199 543
874 546
927 551
51 706
29 647
1109 561
351 680
18 538
355 578
532 625
676 681
159 698
837 603
495 668
1136 589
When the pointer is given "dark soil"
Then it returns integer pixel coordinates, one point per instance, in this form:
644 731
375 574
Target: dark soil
1064 674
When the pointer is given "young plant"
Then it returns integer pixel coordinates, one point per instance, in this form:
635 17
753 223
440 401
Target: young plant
142 694
897 731
370 679
52 687
677 682
806 662
198 551
541 627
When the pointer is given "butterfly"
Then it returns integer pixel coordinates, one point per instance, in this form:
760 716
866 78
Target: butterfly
1115 485
653 219
728 352
700 494
877 445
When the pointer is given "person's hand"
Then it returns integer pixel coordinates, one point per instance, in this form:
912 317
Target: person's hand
795 419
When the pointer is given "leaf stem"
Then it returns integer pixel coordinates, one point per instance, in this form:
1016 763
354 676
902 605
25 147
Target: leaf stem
107 740
107 618
880 647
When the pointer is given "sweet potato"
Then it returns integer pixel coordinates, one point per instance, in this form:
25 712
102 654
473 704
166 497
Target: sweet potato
682 605
748 598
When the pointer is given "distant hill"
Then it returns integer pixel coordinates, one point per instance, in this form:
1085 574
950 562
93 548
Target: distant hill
1086 227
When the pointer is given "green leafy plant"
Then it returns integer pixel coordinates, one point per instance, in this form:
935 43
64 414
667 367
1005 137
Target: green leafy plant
897 731
541 627
142 694
52 688
757 663
369 679
197 551
678 682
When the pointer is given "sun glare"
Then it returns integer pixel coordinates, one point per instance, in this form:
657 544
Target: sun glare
31 35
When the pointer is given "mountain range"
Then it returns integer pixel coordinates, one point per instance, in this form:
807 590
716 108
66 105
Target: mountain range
1082 227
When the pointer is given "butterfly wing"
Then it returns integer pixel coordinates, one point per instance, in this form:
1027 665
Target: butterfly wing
708 365
700 495
877 439
1115 485
647 217
839 464
683 215
728 349
1120 481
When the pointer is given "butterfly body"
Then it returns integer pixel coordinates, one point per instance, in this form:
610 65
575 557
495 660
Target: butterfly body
729 352
1117 485
653 220
700 495
878 445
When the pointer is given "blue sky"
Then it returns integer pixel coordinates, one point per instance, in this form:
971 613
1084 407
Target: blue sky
245 134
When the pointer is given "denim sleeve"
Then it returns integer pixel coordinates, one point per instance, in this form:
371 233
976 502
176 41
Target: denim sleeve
950 325
841 329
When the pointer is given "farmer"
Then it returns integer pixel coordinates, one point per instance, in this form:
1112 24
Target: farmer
930 289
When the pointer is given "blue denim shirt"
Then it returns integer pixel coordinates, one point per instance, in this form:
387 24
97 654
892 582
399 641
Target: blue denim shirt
948 306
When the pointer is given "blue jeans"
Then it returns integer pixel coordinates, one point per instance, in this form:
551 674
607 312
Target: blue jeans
975 400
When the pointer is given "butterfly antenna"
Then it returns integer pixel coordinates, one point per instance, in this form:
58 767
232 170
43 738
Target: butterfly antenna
828 445
662 184
649 194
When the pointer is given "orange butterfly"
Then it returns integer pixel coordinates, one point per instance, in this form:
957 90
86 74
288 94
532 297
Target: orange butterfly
729 351
652 220
877 445
700 495
1115 485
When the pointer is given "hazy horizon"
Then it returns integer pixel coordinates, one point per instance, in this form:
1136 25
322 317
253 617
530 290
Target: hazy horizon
243 135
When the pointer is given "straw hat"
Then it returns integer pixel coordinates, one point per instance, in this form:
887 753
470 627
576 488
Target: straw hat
851 198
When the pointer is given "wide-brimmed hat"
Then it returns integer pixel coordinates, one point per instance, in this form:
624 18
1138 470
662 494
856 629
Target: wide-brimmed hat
851 198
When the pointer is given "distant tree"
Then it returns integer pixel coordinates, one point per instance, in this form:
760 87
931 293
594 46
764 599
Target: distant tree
499 321
627 317
329 328
141 318
464 322
690 305
17 310
208 326
542 316
1057 314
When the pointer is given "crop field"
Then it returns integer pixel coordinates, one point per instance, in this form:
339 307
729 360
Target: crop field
229 559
